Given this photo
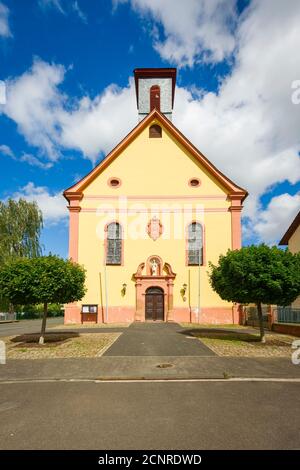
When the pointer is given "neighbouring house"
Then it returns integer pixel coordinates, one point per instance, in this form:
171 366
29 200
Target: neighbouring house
292 239
148 218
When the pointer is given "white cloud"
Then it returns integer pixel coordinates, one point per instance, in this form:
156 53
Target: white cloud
97 125
272 223
52 3
192 29
4 21
34 161
2 92
53 206
6 150
64 9
33 101
250 128
50 122
25 157
76 8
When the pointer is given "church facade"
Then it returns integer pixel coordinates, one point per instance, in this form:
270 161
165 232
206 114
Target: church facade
146 221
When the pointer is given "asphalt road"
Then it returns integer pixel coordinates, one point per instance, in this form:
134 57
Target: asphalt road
190 415
27 326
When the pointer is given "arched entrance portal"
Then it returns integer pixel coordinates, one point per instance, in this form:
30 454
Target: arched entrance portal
154 304
154 282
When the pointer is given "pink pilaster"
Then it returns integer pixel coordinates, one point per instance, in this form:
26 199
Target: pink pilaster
74 209
236 227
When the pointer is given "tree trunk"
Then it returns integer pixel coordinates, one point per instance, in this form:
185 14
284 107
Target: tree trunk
41 340
261 324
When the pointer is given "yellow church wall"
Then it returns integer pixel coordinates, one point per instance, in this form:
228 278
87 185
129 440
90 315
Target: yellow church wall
154 167
294 241
91 255
154 176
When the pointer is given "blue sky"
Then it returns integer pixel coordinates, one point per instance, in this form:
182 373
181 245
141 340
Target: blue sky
67 66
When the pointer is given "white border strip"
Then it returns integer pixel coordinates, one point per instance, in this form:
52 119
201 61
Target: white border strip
121 381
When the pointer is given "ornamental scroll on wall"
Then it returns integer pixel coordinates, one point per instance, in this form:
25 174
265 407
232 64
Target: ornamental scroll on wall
154 228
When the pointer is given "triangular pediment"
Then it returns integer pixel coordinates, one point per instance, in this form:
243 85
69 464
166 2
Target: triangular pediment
157 117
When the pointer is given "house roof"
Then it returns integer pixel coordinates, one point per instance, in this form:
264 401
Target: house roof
233 189
291 230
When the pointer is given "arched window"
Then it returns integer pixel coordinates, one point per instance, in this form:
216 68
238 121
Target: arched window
155 131
195 244
114 244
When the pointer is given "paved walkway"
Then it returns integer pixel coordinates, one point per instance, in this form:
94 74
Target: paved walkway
142 351
146 367
157 339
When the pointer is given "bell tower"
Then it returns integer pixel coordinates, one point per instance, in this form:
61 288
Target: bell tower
155 88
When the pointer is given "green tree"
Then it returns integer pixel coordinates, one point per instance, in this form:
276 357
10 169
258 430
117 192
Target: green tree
259 275
48 279
20 227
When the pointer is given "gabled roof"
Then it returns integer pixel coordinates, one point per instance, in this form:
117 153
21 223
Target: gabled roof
233 189
291 230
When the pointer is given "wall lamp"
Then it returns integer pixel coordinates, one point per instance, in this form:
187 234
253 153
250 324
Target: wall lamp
183 291
123 291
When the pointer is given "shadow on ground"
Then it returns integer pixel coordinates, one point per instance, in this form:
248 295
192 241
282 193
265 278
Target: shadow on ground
50 338
224 334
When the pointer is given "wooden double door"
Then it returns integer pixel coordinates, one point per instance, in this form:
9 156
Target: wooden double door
154 304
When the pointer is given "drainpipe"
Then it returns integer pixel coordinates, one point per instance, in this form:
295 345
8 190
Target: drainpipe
189 287
199 284
105 282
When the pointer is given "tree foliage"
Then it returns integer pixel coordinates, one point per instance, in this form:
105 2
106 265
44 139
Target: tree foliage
20 227
257 274
47 279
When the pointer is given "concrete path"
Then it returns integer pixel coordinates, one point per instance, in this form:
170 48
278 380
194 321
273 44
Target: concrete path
157 339
151 351
214 415
146 367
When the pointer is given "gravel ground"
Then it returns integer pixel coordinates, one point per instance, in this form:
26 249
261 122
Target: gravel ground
84 345
234 344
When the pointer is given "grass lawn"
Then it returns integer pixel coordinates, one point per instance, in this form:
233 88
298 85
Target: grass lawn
228 343
59 345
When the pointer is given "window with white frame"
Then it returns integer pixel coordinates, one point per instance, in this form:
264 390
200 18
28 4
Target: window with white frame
195 244
114 244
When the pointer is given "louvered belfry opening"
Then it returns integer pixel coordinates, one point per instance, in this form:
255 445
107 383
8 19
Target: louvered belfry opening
155 97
